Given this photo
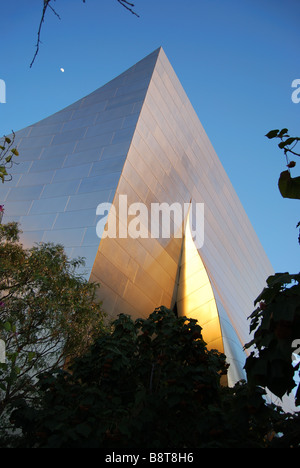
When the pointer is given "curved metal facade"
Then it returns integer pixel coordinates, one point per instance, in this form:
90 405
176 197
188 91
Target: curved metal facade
139 136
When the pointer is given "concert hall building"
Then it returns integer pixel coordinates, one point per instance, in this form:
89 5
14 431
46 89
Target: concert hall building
136 143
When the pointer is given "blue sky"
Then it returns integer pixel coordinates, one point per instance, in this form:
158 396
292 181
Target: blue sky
236 60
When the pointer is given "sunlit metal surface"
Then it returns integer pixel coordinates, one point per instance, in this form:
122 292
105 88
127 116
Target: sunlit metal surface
139 135
195 297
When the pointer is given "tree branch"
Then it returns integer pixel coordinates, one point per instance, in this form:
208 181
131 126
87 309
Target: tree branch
37 47
129 6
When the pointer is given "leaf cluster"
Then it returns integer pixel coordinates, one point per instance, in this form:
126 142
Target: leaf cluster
289 187
276 326
7 156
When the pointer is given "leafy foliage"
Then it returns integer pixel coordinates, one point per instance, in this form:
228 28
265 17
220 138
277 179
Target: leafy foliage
7 157
287 143
48 313
289 187
276 326
151 383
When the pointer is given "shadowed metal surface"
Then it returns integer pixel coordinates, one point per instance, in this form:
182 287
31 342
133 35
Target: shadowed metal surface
72 161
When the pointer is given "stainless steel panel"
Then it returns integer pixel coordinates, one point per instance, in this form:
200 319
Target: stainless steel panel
106 166
49 205
62 149
105 127
60 188
51 129
71 219
47 164
68 135
95 184
37 222
94 142
44 177
66 237
36 142
74 172
115 150
88 200
24 193
78 158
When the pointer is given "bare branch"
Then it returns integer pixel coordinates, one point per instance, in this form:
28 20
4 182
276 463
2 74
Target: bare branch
37 47
129 6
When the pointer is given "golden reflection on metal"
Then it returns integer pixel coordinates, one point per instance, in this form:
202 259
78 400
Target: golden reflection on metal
195 297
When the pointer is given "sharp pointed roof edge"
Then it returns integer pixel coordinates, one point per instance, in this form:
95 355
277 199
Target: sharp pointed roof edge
152 55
